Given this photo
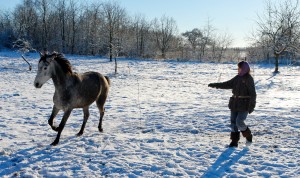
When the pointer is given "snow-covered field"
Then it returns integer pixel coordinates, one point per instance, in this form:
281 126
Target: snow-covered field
161 121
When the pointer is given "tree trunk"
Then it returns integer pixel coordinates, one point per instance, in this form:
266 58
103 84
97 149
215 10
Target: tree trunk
163 53
110 46
276 63
116 66
142 46
194 52
63 36
45 33
73 35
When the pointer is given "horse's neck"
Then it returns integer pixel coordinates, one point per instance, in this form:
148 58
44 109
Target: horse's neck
59 77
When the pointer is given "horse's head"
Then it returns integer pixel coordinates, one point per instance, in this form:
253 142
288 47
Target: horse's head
44 72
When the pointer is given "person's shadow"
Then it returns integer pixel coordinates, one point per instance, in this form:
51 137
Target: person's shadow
224 162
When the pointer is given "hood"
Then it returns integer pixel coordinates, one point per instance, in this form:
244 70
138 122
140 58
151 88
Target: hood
245 68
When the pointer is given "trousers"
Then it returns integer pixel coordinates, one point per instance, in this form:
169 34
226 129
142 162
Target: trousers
237 121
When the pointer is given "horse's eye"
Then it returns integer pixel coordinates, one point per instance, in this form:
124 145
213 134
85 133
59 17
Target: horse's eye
45 68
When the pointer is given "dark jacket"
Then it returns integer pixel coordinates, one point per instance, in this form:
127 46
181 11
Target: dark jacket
242 87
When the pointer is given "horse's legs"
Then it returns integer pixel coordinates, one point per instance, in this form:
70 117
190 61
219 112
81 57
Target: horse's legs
100 104
53 115
100 122
86 114
61 126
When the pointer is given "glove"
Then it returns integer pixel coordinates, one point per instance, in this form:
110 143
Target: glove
251 110
212 85
251 106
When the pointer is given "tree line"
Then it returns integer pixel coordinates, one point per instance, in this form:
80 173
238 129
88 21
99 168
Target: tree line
105 28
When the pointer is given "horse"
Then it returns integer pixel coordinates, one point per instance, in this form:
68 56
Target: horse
72 90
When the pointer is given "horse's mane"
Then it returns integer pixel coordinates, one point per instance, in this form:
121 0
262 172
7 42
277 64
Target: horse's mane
64 63
61 60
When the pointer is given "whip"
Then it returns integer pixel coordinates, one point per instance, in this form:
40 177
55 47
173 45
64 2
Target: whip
27 62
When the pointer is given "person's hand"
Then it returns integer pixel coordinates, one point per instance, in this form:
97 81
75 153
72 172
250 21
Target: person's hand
212 85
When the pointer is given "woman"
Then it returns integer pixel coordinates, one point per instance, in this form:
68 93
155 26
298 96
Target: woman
241 103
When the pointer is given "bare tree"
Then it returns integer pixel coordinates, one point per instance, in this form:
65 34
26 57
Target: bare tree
278 28
104 28
164 29
113 15
62 16
25 18
6 29
43 7
95 20
207 38
73 9
223 42
88 29
141 29
193 38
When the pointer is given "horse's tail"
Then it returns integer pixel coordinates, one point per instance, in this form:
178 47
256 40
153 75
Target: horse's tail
108 80
103 93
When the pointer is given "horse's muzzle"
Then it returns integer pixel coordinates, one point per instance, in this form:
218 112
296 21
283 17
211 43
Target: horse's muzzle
37 85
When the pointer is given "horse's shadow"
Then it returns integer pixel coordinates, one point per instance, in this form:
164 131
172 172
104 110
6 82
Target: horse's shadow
43 154
24 158
15 162
224 162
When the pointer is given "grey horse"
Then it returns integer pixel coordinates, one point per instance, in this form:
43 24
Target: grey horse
72 90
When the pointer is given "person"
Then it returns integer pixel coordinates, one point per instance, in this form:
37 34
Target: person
241 103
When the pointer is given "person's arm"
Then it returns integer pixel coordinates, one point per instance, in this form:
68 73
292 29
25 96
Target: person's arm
252 94
224 85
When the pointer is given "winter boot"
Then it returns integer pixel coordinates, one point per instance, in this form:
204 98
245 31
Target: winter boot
235 137
247 134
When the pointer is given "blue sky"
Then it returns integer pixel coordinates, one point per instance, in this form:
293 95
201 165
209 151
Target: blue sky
236 17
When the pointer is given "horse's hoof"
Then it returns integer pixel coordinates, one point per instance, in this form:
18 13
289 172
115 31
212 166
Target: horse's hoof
100 129
79 134
54 143
50 123
56 129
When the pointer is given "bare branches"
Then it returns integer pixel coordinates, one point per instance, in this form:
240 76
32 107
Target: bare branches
165 30
194 37
279 28
114 16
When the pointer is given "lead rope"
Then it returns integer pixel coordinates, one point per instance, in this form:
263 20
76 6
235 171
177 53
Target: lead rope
138 103
219 79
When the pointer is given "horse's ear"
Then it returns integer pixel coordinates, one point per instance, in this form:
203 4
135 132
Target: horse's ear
50 59
54 54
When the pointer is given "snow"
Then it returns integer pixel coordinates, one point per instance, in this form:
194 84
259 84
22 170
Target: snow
161 121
